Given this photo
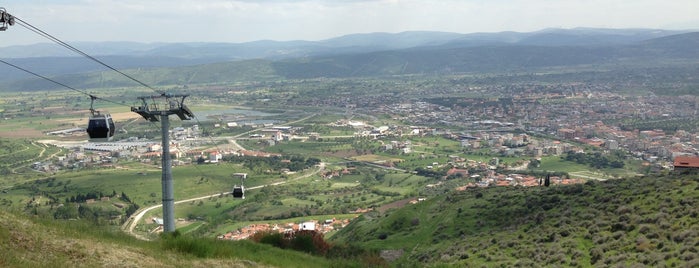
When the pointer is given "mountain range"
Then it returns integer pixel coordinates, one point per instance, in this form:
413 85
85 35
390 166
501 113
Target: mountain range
371 54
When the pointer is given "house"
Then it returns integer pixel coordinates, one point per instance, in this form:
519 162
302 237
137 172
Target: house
215 156
457 172
686 164
158 221
308 226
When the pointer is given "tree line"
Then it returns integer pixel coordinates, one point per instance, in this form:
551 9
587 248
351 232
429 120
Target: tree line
597 159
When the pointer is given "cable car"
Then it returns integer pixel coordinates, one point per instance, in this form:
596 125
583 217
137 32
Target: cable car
101 126
239 191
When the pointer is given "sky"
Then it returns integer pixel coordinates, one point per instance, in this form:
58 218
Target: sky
238 21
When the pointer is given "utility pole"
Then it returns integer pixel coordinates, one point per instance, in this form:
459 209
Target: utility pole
151 112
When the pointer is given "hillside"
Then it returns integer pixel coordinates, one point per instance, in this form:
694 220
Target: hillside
361 55
631 222
33 242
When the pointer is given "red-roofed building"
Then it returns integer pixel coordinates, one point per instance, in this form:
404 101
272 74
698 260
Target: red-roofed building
686 164
457 172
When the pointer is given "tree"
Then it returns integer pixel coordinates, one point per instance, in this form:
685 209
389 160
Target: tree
66 212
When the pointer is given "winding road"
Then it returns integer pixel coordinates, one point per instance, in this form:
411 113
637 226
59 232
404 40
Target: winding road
131 223
134 219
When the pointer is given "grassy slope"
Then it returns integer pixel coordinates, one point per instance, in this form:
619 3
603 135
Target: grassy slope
31 242
647 221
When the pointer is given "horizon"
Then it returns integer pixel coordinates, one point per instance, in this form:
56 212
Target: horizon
680 31
242 21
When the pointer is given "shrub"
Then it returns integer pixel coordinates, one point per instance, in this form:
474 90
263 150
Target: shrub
309 241
416 221
198 247
688 256
642 243
270 238
596 254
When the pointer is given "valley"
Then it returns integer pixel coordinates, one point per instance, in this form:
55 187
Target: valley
416 156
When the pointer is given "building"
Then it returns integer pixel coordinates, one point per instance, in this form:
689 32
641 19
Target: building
308 226
686 164
215 156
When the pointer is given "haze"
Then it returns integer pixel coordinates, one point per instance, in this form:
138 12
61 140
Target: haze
247 20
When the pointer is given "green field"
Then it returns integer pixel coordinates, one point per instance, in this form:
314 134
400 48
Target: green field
555 163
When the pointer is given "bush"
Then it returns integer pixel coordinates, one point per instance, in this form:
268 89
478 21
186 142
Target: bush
415 222
270 238
596 254
201 248
304 240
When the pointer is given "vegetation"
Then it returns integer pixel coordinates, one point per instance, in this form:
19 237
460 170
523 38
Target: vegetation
82 244
291 163
647 221
73 211
597 159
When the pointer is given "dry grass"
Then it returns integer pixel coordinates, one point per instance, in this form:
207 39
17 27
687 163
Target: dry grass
124 116
24 243
21 133
372 158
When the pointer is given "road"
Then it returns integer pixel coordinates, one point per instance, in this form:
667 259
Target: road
131 223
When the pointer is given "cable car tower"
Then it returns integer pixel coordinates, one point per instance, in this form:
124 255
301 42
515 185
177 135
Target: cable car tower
101 126
151 112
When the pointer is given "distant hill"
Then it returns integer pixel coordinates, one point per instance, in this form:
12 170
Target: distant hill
680 45
592 37
354 43
390 41
377 54
631 222
52 66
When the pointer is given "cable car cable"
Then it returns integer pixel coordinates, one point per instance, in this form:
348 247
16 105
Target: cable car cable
72 48
69 47
230 163
59 83
92 97
38 31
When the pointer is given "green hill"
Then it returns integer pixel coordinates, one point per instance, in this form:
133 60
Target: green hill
455 57
34 242
632 222
645 221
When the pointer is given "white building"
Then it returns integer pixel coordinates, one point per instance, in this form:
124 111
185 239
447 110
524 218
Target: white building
309 225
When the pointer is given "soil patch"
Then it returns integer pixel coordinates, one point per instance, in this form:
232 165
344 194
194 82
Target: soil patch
21 133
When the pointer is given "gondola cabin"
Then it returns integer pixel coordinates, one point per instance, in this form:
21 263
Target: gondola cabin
239 192
101 128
